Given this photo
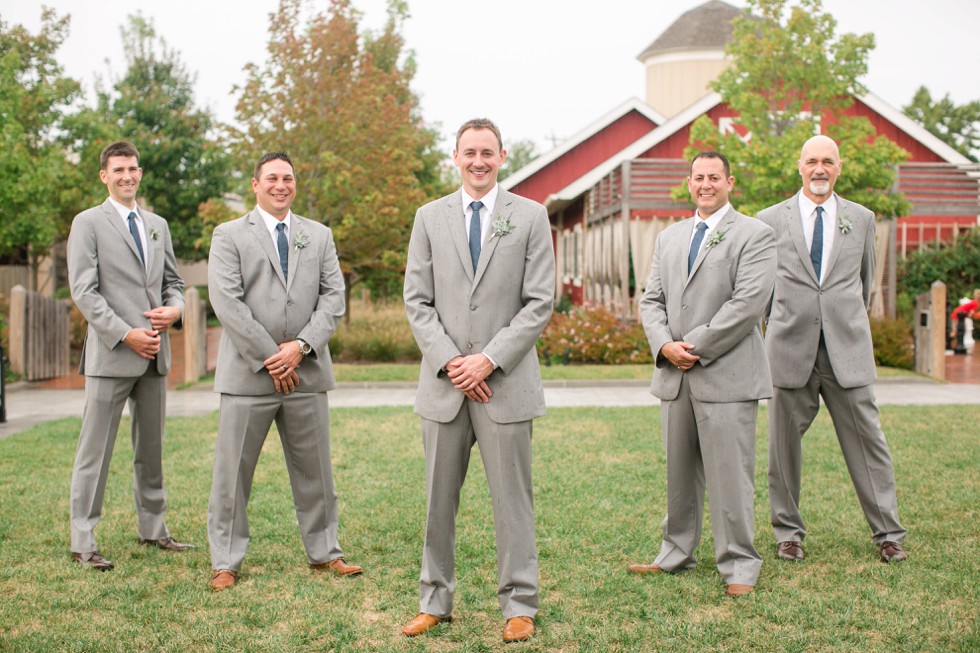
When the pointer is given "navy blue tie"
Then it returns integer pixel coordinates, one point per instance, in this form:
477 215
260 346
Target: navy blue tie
696 245
475 233
136 236
283 246
816 248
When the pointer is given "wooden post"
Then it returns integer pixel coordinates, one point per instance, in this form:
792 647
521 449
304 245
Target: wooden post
18 329
930 332
195 336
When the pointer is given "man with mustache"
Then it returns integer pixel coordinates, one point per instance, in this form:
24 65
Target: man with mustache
819 343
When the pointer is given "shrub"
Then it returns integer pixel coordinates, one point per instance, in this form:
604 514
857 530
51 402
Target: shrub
957 264
377 332
592 335
894 344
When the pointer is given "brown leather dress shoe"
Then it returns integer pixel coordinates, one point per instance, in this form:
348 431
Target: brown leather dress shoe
652 568
222 579
167 544
92 559
423 623
892 552
735 589
337 566
518 629
792 551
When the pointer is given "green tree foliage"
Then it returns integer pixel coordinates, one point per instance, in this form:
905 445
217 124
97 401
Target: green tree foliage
957 126
182 154
34 97
339 102
957 264
519 154
792 75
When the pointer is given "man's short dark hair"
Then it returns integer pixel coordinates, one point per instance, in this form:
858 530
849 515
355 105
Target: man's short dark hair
271 156
480 123
710 154
119 148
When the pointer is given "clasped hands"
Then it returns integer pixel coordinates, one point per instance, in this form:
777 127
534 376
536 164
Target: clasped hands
677 354
282 366
146 342
469 374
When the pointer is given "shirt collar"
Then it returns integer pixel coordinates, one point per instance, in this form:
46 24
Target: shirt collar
271 221
124 211
713 219
488 200
808 206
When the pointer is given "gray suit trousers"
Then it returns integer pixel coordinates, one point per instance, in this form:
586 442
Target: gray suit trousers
713 445
302 420
506 453
104 400
855 416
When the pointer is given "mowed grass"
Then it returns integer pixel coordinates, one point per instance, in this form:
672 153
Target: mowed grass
600 496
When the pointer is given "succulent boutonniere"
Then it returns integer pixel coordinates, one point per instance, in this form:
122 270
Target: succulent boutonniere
502 227
843 224
715 238
154 234
302 240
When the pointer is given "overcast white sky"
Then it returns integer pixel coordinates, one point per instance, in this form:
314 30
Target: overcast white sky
542 69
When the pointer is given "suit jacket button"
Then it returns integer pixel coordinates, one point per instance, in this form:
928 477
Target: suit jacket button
472 308
469 345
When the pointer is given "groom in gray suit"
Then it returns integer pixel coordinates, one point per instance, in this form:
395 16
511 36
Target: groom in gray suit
123 278
702 308
479 286
275 283
819 343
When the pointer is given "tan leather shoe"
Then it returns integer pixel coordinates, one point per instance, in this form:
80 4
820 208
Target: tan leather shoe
652 568
735 589
337 566
92 559
892 552
423 623
518 629
792 551
167 544
222 579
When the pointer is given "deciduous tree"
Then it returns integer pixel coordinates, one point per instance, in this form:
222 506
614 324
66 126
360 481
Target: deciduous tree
340 103
793 75
956 125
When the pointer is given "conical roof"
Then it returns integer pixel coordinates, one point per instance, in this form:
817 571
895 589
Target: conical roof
706 27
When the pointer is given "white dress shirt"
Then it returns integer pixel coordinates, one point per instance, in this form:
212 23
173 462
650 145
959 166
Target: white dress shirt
488 201
124 212
808 212
712 222
272 222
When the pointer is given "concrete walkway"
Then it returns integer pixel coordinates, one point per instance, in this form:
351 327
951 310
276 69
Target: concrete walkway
28 405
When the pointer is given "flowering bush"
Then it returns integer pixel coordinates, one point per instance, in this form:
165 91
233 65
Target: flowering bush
592 335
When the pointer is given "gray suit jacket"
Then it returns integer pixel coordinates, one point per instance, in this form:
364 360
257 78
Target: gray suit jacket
800 308
500 310
112 289
718 309
259 309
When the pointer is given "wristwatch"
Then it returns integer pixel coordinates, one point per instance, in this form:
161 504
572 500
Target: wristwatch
304 347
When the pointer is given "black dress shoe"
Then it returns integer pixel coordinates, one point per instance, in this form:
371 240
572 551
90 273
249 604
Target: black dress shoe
168 544
892 552
792 551
92 559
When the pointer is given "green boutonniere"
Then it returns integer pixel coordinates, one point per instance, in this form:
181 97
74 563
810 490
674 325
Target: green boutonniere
843 224
154 234
715 238
502 227
302 240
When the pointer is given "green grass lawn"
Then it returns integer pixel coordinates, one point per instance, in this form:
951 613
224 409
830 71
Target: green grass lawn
600 488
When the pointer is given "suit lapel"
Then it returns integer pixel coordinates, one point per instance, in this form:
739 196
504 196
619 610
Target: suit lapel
117 224
294 254
501 209
154 246
456 228
257 226
842 211
726 223
794 222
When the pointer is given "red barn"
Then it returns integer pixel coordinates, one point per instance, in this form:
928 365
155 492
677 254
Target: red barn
607 188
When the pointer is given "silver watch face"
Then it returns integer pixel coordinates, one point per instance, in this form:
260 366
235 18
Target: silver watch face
305 348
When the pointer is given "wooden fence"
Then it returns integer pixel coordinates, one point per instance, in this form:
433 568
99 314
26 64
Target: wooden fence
39 335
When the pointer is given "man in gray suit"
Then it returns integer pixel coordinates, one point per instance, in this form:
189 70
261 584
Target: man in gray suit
275 283
702 308
819 344
479 287
123 278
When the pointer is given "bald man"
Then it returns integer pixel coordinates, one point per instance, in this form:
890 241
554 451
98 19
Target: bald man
819 343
